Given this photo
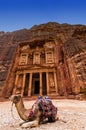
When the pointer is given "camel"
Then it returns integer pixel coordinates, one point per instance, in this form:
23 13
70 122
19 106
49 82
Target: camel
34 116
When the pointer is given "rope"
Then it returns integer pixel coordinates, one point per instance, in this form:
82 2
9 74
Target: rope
12 112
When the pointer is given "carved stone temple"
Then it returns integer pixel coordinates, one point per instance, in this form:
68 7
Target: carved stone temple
36 71
48 59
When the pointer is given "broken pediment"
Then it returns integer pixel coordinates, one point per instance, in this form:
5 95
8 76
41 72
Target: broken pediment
25 48
49 45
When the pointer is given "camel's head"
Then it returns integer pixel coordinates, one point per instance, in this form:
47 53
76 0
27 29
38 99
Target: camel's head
15 98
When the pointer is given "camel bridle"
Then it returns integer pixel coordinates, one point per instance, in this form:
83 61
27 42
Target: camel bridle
12 112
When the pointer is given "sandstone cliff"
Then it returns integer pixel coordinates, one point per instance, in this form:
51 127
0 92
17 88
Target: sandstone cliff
72 41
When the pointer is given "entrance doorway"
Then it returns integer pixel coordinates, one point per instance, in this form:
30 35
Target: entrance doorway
36 83
36 87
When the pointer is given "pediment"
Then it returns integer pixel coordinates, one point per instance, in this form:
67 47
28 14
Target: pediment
25 48
49 45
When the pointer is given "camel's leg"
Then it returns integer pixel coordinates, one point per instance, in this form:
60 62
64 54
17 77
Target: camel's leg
22 122
30 124
56 117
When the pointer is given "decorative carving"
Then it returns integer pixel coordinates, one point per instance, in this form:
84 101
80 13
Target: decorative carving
51 80
36 58
25 47
37 48
23 59
51 83
49 57
49 45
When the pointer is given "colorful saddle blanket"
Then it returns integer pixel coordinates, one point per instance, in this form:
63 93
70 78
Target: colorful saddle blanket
47 108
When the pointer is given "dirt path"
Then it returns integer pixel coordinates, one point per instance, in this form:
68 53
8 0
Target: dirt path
73 112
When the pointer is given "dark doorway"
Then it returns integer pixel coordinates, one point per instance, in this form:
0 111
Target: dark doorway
36 87
35 83
44 86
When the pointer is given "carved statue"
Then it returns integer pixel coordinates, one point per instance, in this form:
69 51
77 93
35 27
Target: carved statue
37 114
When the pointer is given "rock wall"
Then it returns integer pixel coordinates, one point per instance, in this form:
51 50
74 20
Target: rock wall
71 55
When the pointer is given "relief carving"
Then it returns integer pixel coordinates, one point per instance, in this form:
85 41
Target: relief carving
49 45
25 47
36 58
23 59
51 83
49 57
51 80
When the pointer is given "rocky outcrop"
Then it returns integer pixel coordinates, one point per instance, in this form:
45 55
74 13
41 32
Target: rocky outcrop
71 57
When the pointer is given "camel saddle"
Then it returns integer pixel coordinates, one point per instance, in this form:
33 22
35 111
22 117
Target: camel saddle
46 106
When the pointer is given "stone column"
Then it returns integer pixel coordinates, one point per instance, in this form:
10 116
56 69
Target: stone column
40 83
23 84
47 80
55 79
16 81
30 84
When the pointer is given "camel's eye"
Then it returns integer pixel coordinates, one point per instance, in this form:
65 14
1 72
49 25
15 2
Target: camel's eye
16 97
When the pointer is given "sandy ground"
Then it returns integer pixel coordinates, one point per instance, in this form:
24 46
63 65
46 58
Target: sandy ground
73 112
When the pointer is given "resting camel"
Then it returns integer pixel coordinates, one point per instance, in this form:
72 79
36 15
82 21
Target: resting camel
34 116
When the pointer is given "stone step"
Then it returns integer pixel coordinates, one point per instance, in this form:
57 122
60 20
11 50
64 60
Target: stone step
51 96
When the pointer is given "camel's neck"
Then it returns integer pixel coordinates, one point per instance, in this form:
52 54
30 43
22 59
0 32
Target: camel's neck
21 110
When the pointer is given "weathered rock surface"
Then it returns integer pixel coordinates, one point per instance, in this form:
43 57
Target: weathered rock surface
72 56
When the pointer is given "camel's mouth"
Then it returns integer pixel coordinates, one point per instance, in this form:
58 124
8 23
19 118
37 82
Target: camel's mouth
11 98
